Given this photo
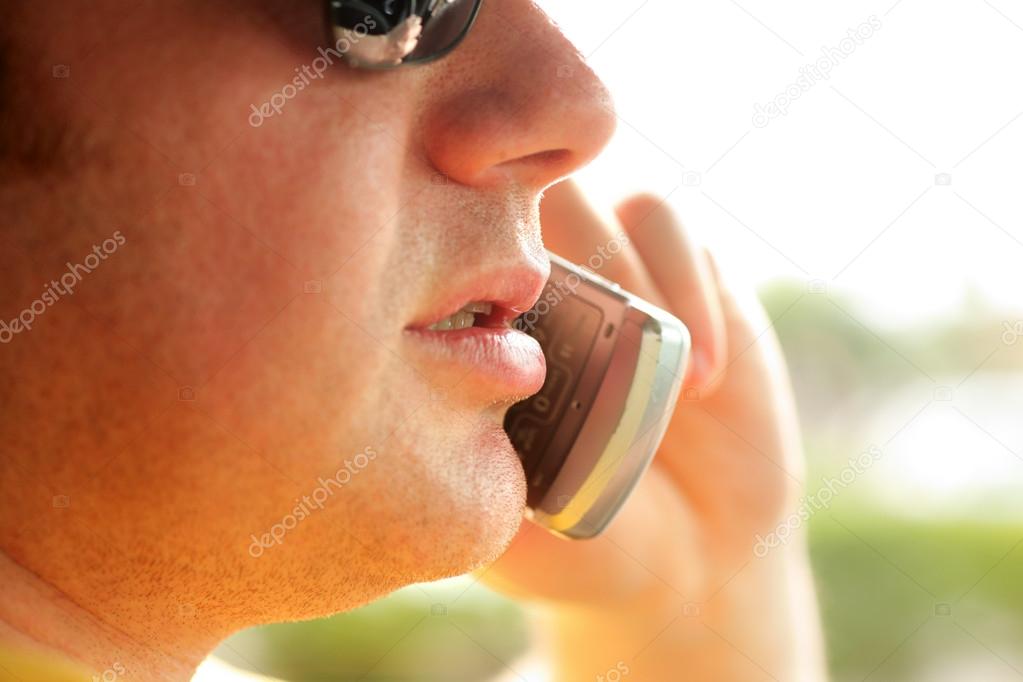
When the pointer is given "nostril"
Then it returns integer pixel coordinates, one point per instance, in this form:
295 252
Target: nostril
516 121
545 158
539 167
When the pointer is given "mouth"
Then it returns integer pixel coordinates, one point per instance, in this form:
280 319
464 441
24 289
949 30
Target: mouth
471 334
480 314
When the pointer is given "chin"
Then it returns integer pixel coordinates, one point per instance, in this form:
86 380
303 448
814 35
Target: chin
489 521
422 512
470 498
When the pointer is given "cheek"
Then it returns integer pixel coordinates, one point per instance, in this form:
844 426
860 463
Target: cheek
302 186
299 182
307 392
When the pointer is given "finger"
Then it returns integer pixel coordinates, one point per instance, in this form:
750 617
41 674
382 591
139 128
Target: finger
680 271
743 315
738 447
574 229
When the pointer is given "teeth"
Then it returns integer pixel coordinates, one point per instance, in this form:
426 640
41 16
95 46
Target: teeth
477 307
464 318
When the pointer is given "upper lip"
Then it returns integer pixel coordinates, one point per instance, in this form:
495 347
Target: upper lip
511 289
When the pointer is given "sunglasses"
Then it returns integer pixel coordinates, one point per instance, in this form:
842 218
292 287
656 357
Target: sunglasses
384 34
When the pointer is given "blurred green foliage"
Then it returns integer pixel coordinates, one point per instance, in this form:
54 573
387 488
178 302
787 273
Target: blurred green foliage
899 596
407 636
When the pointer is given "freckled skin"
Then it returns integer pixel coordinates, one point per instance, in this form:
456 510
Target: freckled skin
248 337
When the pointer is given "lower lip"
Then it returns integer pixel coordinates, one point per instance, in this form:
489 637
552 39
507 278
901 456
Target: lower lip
506 359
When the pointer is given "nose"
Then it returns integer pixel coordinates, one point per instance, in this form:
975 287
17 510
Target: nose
527 109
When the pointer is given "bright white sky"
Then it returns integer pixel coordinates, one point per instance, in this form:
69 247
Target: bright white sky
934 90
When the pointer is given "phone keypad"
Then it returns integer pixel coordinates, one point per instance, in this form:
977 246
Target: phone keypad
567 333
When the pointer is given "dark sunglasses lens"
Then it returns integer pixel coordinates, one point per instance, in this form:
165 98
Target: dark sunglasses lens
444 28
386 33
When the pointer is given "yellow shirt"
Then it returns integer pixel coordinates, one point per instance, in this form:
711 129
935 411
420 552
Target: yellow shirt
19 665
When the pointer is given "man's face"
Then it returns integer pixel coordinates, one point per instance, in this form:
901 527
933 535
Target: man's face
233 409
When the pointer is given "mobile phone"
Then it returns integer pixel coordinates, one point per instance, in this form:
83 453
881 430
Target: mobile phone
614 369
